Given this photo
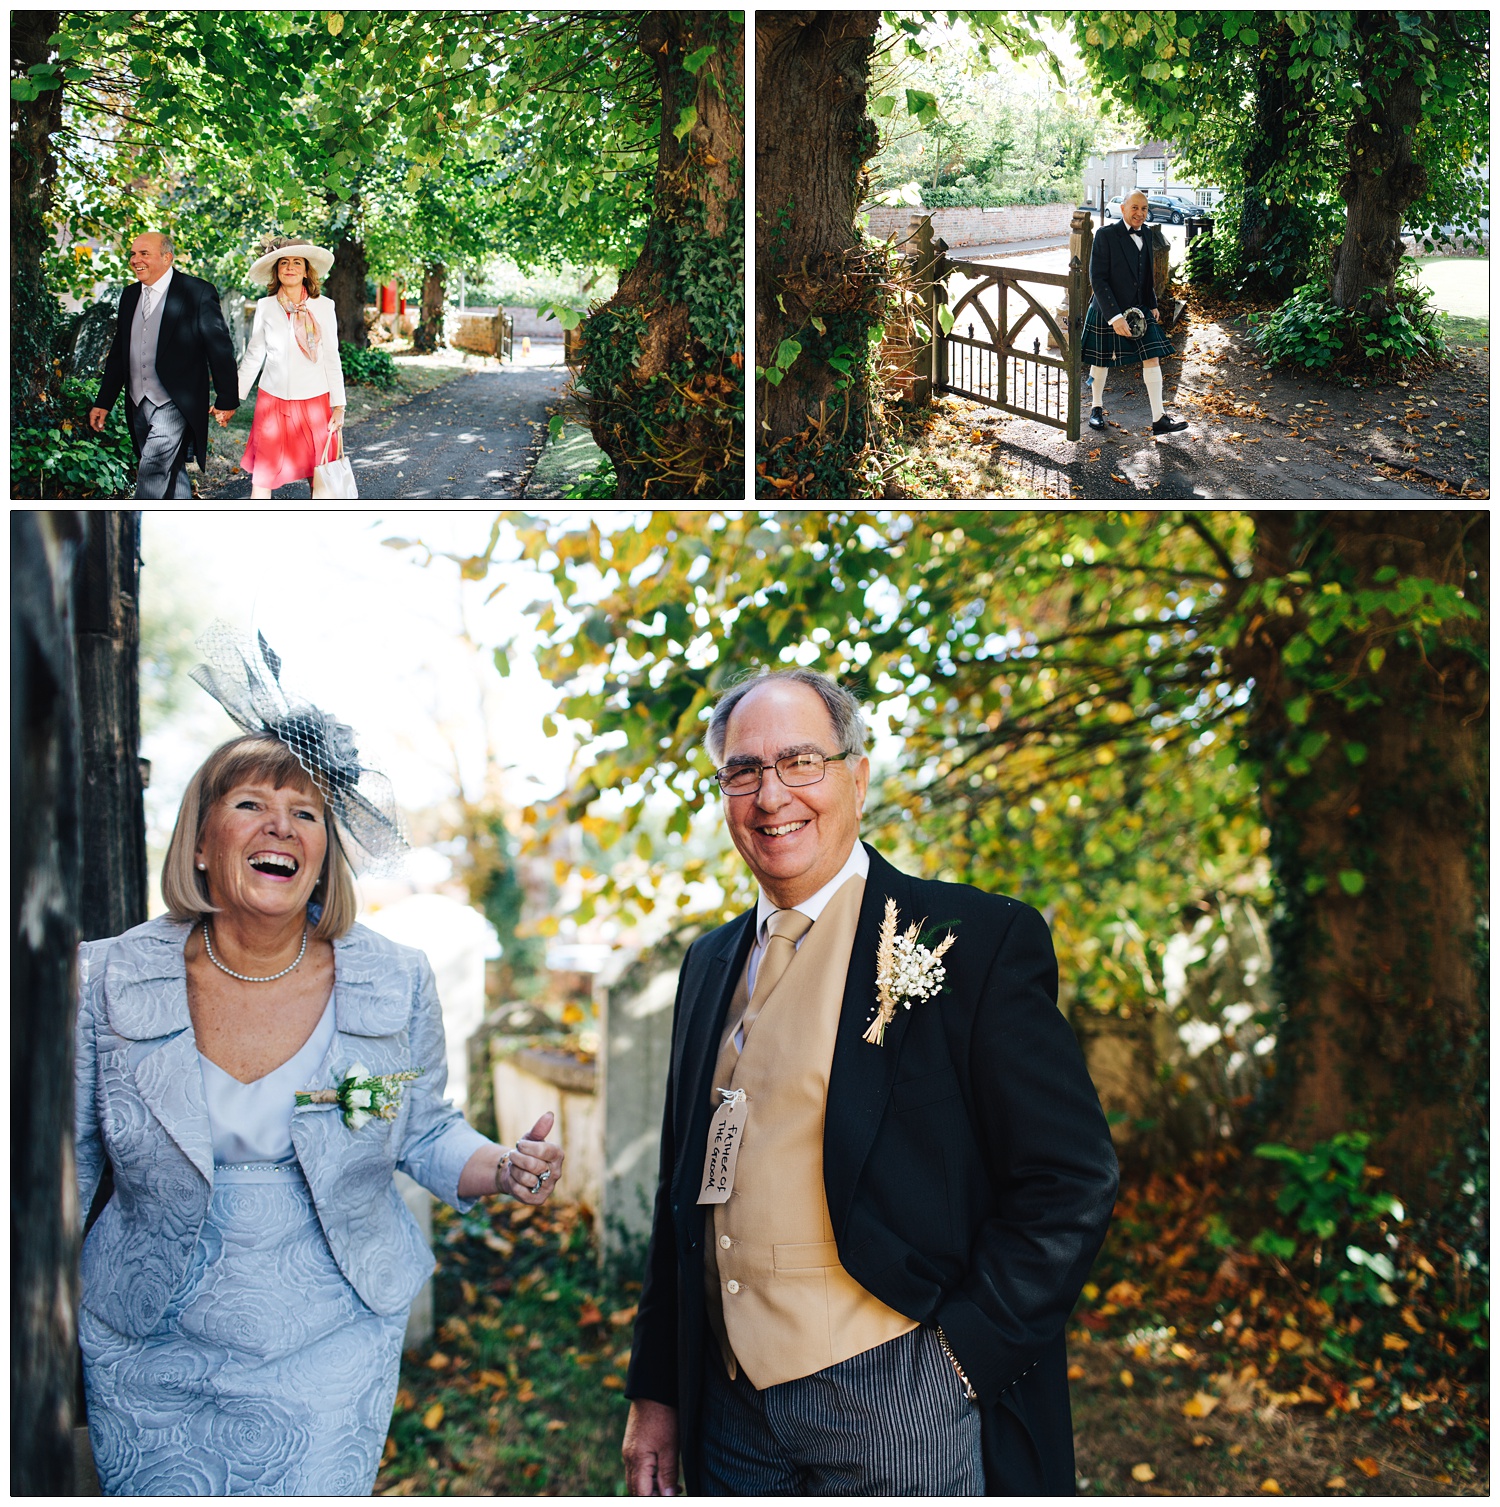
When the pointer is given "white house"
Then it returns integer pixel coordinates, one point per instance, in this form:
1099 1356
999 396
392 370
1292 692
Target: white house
1149 167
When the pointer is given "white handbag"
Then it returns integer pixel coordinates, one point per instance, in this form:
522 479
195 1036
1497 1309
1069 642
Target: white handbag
334 478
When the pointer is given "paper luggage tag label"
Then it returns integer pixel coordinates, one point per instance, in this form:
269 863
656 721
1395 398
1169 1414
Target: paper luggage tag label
724 1136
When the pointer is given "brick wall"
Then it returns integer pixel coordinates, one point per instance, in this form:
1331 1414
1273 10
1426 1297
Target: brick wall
977 227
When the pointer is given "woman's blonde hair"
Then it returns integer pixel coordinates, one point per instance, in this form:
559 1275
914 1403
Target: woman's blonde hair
256 756
309 277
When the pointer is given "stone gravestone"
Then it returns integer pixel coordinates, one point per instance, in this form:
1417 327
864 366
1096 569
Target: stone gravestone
456 939
635 1017
92 336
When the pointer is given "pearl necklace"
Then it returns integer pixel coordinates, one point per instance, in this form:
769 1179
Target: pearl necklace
245 977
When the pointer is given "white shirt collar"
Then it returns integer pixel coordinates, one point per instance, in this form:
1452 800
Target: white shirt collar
858 862
159 287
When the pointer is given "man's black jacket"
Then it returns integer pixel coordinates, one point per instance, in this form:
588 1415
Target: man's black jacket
968 1167
1121 275
193 343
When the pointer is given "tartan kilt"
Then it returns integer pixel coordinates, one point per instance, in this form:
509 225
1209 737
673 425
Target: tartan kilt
1102 347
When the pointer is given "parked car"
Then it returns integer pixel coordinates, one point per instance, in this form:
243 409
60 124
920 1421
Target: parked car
1170 207
1112 209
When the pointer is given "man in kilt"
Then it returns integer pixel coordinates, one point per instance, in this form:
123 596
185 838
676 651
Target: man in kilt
1120 270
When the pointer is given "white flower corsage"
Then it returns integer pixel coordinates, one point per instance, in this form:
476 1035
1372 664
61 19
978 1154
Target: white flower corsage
362 1096
905 970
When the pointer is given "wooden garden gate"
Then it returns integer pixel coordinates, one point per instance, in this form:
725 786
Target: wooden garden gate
993 364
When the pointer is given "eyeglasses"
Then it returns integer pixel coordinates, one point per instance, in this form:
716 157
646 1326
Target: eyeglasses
792 771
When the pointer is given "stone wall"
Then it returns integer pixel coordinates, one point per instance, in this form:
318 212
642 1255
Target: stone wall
977 227
474 329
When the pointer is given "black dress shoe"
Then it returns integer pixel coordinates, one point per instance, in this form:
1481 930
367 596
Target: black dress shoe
1096 419
1166 424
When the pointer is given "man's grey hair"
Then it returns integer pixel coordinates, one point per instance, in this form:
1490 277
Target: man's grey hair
849 728
165 242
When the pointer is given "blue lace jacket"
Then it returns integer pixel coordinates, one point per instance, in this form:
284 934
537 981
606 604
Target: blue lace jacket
140 1103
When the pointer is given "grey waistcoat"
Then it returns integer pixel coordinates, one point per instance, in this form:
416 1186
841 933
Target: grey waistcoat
144 383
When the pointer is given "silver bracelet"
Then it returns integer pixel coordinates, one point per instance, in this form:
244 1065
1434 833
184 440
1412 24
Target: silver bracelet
969 1391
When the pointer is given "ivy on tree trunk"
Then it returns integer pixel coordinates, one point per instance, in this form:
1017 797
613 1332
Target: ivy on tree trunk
1373 745
817 286
1383 177
663 360
34 313
429 333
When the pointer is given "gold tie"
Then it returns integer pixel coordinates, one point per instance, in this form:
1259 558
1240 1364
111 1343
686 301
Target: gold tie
786 928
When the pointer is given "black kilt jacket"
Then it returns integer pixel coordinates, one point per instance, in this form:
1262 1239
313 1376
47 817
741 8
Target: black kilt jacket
968 1167
193 343
1121 276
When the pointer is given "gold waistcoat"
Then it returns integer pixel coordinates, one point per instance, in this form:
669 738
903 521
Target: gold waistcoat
778 1300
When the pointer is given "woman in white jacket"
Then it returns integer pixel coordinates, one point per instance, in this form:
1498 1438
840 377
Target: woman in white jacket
294 349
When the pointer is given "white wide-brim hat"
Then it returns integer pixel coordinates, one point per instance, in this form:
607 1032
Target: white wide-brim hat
318 258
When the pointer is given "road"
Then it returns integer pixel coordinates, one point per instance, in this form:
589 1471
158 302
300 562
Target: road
474 437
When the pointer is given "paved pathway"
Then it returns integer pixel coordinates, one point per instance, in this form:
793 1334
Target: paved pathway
474 437
1252 433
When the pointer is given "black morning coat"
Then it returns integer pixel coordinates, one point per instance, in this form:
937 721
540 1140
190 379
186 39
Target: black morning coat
968 1166
192 343
1121 276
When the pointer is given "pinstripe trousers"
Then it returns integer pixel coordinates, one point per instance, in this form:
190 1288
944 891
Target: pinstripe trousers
893 1421
162 434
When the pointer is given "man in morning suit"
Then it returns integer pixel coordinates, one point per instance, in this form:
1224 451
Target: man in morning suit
869 1300
169 338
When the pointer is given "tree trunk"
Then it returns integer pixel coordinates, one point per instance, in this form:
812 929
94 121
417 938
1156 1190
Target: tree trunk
429 335
345 285
46 854
812 136
113 896
1276 100
1382 987
1383 176
34 313
663 360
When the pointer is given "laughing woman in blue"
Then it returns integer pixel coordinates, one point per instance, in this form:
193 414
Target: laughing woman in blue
251 1070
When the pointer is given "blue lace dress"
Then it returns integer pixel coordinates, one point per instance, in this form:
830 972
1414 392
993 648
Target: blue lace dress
267 1375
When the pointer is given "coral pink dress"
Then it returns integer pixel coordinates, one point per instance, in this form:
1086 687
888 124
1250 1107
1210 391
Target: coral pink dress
293 349
286 438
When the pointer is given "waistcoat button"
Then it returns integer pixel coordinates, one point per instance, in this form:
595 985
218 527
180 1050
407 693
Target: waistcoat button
734 1286
725 1241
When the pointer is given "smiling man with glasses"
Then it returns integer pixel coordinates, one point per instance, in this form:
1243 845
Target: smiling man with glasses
883 1179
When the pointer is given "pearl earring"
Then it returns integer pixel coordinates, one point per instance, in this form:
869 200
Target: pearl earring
202 865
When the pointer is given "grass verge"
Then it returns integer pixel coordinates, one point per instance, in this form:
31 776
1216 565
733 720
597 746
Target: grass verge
1460 329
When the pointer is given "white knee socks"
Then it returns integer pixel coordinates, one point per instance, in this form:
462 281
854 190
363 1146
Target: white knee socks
1100 374
1151 375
